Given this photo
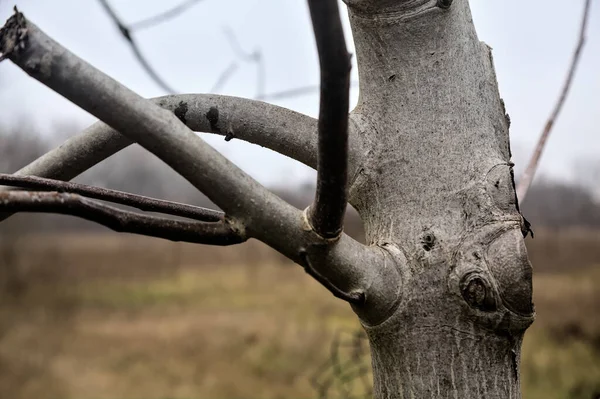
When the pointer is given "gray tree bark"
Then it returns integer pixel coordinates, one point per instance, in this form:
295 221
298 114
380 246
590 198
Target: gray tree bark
435 185
443 286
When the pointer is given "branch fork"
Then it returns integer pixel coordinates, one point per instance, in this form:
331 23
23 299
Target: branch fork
252 210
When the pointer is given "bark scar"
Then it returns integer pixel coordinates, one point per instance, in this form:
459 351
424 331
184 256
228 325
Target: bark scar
213 118
515 362
181 111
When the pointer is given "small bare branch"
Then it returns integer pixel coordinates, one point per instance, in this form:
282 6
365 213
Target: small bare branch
295 92
254 57
137 201
529 173
128 30
126 33
327 212
225 75
217 233
164 16
235 45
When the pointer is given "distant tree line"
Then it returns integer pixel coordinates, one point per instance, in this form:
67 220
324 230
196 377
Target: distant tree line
550 203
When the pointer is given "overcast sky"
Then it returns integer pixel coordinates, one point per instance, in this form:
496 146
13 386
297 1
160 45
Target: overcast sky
532 40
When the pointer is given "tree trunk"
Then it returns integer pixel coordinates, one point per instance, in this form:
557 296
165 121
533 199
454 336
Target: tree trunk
435 187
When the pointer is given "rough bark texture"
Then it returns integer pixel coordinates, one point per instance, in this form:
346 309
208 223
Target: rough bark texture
435 186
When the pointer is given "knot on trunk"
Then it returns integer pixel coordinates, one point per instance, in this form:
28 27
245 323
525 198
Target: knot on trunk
478 292
493 276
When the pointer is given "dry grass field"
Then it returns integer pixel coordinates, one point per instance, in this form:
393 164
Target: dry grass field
122 317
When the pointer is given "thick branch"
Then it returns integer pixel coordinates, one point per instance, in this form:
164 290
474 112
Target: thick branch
218 233
156 129
287 132
279 129
327 213
137 201
529 173
346 264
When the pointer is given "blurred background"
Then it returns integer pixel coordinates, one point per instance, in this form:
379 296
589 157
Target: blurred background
88 313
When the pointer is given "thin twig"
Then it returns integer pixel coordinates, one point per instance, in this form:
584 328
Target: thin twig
527 176
255 57
295 92
261 74
217 233
164 16
327 212
126 33
137 201
235 45
225 75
